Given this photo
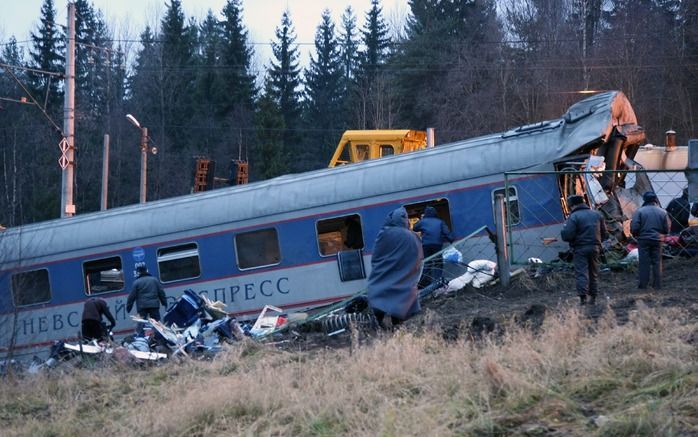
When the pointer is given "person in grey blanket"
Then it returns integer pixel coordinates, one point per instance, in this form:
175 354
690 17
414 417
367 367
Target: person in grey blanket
396 266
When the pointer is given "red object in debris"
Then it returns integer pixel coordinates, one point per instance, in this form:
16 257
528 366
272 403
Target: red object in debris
672 240
630 247
281 321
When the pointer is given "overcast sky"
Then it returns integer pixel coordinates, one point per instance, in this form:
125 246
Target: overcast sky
127 18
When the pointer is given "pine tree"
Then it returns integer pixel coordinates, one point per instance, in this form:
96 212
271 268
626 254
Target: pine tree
269 159
177 76
376 41
208 60
46 54
237 79
349 47
284 77
324 92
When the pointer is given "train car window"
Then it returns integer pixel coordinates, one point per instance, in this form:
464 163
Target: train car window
387 150
179 262
29 288
103 275
513 200
257 249
339 233
415 211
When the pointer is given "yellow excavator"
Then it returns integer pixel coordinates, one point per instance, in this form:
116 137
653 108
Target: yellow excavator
362 145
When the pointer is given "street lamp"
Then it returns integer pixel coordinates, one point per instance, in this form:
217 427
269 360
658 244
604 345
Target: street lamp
144 154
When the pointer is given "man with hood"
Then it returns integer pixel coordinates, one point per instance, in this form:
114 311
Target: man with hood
649 225
395 269
435 233
679 212
148 295
584 230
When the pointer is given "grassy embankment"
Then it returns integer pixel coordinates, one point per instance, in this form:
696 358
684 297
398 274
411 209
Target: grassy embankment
642 377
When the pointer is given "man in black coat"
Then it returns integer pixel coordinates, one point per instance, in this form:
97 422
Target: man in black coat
649 225
147 293
679 212
92 313
584 230
435 233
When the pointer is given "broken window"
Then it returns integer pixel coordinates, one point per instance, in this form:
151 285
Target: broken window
511 202
257 249
415 211
387 150
361 152
29 288
339 233
103 275
179 262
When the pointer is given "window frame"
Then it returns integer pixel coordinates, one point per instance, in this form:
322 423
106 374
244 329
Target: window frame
380 150
237 255
50 288
84 275
431 202
158 256
317 234
507 200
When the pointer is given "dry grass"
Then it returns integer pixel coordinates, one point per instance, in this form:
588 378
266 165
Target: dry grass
642 376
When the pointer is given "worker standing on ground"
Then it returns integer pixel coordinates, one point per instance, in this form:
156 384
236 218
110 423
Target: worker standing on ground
649 225
679 212
396 265
148 295
584 230
435 233
92 312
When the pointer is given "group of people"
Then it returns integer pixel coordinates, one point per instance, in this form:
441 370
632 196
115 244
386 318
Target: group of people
396 265
585 230
147 294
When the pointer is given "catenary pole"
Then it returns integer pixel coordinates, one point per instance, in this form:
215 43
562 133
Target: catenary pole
68 175
105 174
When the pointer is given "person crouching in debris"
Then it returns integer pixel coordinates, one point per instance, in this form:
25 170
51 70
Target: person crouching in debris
649 225
584 230
395 269
148 294
92 312
435 233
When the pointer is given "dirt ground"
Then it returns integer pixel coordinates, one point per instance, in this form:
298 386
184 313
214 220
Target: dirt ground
528 299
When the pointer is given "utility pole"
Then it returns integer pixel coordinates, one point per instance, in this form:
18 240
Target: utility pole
68 176
144 163
105 174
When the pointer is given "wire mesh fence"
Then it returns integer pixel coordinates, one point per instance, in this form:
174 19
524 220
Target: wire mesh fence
536 207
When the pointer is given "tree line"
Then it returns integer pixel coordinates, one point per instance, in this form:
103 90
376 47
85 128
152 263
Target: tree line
463 67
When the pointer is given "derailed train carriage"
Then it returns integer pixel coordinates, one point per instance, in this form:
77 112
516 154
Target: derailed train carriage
301 240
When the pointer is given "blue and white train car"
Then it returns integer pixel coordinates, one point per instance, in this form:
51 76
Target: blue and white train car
285 241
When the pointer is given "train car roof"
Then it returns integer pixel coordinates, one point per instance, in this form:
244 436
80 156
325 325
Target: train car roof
585 123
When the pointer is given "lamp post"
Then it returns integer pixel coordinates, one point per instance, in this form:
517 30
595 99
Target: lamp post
144 155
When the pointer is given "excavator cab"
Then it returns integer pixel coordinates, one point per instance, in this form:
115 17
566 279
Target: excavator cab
362 145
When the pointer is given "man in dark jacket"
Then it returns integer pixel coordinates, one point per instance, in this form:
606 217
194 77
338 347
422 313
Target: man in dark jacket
584 230
148 295
679 212
435 233
649 225
396 265
92 312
